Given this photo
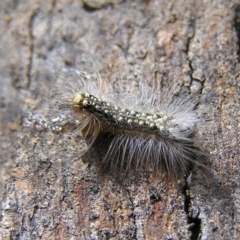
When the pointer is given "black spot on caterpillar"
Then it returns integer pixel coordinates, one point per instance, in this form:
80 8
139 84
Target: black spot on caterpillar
148 128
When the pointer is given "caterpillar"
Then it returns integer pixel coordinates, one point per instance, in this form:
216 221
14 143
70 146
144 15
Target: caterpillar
149 128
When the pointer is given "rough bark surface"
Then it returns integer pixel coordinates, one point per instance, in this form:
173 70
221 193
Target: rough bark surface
46 193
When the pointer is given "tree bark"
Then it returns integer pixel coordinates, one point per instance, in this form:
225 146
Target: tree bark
46 193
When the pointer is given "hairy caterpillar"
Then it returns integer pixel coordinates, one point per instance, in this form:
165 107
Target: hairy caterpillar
150 128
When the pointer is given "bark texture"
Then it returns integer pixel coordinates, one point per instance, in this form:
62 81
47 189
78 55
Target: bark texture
45 192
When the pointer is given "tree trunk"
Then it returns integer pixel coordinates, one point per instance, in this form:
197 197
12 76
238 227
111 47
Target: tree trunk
47 193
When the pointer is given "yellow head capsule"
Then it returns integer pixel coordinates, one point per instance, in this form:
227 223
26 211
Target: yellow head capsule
77 98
